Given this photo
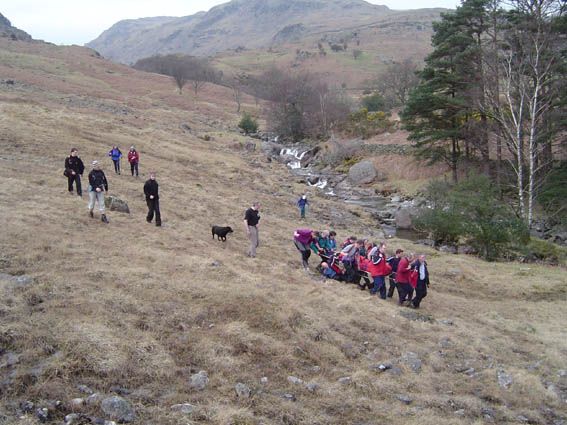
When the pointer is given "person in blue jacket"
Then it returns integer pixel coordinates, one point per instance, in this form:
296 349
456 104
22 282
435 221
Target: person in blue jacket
115 154
302 202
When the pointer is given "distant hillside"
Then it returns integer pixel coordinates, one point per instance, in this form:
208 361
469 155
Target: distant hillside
7 30
247 23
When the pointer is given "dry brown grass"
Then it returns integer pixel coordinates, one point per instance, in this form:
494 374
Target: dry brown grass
132 305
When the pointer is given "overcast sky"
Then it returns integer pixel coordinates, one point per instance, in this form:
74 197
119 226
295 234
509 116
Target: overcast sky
78 22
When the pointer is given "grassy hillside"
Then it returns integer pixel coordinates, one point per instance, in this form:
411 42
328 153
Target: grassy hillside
141 309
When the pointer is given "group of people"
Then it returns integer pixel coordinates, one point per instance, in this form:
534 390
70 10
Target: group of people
366 264
98 184
133 158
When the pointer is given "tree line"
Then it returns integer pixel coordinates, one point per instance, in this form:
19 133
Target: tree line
493 91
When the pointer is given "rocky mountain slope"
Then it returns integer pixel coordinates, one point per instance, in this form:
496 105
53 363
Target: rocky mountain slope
131 323
7 30
250 24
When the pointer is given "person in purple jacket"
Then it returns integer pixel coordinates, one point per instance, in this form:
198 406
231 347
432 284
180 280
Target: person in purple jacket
302 239
115 154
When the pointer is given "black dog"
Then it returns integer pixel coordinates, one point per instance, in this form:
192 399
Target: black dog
221 232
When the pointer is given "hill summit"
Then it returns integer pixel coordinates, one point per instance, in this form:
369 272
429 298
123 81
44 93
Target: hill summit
7 30
239 23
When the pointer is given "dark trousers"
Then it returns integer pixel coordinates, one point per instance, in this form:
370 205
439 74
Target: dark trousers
420 292
153 206
379 285
77 179
133 166
116 165
305 252
393 285
405 291
351 275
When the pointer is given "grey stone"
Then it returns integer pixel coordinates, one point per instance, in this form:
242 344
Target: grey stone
311 387
263 380
250 145
119 390
562 373
242 391
184 408
345 380
114 203
409 314
290 397
118 409
71 418
216 264
448 248
455 272
523 419
403 219
487 411
42 414
84 389
94 399
404 398
460 412
445 343
16 281
412 360
199 381
77 403
395 371
294 380
362 173
315 369
504 380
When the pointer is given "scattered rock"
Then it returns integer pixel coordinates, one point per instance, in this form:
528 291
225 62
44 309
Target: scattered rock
381 367
362 172
250 146
184 408
445 343
77 403
216 264
290 397
94 399
119 390
413 360
403 219
263 380
199 381
311 387
42 414
523 419
294 380
114 203
84 389
504 380
448 248
487 411
242 391
72 418
315 369
118 409
345 380
404 398
455 272
16 281
460 412
395 371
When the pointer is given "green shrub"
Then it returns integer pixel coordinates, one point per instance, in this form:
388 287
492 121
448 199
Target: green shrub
248 123
374 103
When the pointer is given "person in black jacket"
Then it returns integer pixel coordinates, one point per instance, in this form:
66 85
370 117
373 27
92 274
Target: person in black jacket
74 169
394 262
422 281
152 199
97 183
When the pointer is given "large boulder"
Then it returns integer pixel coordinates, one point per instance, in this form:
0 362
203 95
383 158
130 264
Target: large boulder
114 203
118 409
362 173
403 219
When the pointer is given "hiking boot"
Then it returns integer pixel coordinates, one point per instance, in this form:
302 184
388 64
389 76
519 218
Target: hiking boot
91 214
158 224
103 218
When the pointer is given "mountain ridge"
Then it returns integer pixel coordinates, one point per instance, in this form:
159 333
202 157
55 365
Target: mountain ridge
9 31
241 23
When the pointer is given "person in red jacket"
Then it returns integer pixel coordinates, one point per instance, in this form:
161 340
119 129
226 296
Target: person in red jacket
405 290
133 158
379 269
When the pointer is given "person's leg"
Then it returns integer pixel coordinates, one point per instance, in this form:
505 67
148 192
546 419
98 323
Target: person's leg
132 166
392 287
115 165
118 165
402 292
100 200
376 284
78 185
420 293
150 215
302 211
92 199
70 183
158 214
136 166
253 240
382 286
304 251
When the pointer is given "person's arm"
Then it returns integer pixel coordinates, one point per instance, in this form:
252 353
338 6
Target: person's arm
246 226
105 183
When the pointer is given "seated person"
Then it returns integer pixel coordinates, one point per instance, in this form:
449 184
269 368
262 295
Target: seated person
329 272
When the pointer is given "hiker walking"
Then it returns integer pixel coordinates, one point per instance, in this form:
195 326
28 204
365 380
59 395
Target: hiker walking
133 159
152 199
115 154
405 290
97 184
420 266
379 269
251 223
74 169
302 202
